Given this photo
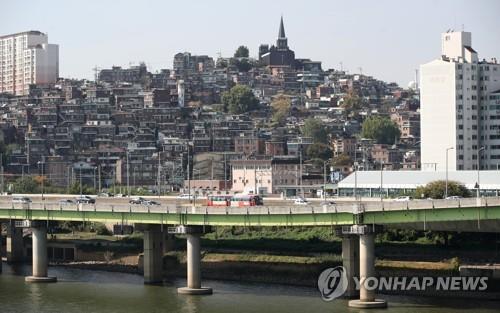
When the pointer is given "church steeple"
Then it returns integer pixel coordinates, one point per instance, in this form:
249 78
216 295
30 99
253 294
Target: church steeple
282 42
281 33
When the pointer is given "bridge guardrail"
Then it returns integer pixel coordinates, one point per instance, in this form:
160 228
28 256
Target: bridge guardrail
285 209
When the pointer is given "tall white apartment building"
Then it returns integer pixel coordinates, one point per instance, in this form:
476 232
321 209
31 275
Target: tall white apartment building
460 108
27 58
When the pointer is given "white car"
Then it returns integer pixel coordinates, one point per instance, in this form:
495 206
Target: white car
301 201
21 200
403 199
186 196
453 198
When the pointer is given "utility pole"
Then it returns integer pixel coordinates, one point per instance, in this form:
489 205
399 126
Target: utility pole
225 178
324 180
128 176
159 174
1 171
188 175
301 187
81 186
99 176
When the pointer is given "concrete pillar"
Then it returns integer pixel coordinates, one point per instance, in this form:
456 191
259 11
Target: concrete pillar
194 267
193 261
14 243
153 254
40 261
366 272
1 250
350 262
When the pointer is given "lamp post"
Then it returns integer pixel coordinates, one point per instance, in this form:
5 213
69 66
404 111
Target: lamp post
40 164
128 176
478 192
446 183
381 181
355 180
324 179
81 186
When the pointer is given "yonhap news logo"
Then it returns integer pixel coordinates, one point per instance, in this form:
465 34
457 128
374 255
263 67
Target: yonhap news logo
332 283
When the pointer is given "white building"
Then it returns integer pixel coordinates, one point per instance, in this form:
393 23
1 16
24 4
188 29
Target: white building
460 108
27 58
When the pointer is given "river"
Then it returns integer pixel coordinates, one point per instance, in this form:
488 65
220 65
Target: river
85 291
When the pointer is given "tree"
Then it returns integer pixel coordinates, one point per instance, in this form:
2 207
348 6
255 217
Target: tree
342 160
381 129
315 129
239 99
437 190
26 185
281 108
352 103
319 151
241 52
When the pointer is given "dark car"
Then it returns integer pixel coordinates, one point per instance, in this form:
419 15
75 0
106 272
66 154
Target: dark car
85 199
138 200
150 202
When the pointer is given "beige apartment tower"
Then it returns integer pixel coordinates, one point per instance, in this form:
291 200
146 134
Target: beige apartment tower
27 58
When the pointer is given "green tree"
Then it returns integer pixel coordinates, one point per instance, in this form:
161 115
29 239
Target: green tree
241 52
281 108
352 103
315 129
319 151
381 129
26 185
437 190
239 99
342 160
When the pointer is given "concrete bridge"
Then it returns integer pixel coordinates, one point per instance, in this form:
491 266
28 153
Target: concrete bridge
356 221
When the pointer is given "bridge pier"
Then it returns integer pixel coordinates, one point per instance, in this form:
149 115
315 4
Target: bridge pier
367 298
14 246
153 254
194 286
40 261
350 262
1 250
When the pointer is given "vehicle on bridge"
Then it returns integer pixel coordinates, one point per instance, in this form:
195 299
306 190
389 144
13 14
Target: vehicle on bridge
246 200
137 200
234 200
85 199
21 200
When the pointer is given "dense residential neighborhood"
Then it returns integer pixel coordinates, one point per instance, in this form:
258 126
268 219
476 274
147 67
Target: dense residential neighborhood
238 124
275 124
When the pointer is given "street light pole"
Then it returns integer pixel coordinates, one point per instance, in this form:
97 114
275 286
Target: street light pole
81 186
381 181
446 183
324 180
478 193
159 174
128 176
40 163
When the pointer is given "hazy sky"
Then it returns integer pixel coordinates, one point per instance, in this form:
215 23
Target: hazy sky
387 39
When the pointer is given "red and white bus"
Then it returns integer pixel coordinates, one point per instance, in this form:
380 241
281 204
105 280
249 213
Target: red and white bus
234 201
219 200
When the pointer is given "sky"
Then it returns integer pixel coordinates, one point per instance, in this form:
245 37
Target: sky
387 39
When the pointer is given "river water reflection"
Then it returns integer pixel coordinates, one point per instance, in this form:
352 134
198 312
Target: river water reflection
95 291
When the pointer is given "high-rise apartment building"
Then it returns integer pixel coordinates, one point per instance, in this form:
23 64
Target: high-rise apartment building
460 108
27 58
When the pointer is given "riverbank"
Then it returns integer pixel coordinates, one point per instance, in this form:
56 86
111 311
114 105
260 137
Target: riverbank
286 270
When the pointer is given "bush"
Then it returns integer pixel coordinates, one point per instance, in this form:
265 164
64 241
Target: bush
102 230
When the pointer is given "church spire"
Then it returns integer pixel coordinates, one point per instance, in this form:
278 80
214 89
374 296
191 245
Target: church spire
282 42
281 33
